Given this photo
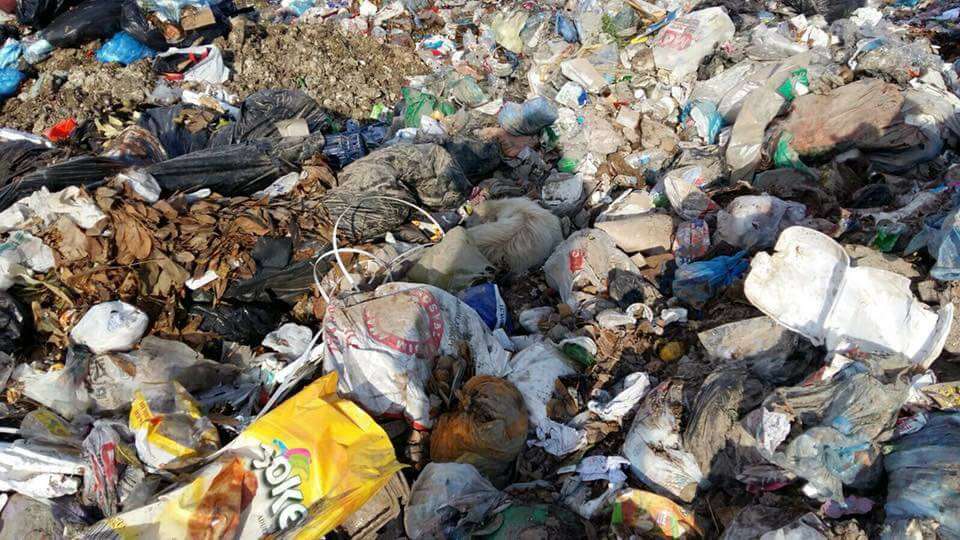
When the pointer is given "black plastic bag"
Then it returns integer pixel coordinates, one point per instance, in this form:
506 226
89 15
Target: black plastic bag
238 169
260 112
246 324
21 157
134 22
15 323
86 171
37 13
287 284
91 20
277 279
175 138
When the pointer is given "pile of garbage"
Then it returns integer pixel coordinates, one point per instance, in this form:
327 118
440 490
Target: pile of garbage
463 268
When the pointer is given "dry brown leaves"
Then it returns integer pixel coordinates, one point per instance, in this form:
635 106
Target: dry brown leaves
144 253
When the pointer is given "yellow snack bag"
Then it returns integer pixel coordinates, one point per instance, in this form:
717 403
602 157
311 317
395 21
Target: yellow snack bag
641 512
301 469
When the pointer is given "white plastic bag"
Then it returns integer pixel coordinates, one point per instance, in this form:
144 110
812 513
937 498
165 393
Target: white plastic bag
534 371
210 70
809 286
655 448
682 44
110 326
755 221
383 345
585 258
43 208
442 486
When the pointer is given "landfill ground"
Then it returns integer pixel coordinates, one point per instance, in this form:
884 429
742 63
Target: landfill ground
449 269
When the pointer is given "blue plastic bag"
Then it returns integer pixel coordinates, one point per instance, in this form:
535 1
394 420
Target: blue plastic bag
696 283
922 478
10 80
354 142
947 267
704 114
485 299
125 49
567 29
10 54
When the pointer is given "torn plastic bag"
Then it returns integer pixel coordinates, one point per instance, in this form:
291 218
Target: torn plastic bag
113 471
453 264
38 13
758 109
726 395
261 111
176 138
585 258
245 323
828 460
530 118
534 371
42 209
85 171
88 21
487 430
450 500
849 414
422 174
809 286
384 344
821 125
730 87
238 169
113 378
699 282
763 344
682 44
301 469
754 222
923 477
62 391
654 447
170 431
853 402
39 470
746 138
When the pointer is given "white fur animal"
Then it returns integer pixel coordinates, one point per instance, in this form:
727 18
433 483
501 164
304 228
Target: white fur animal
514 233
